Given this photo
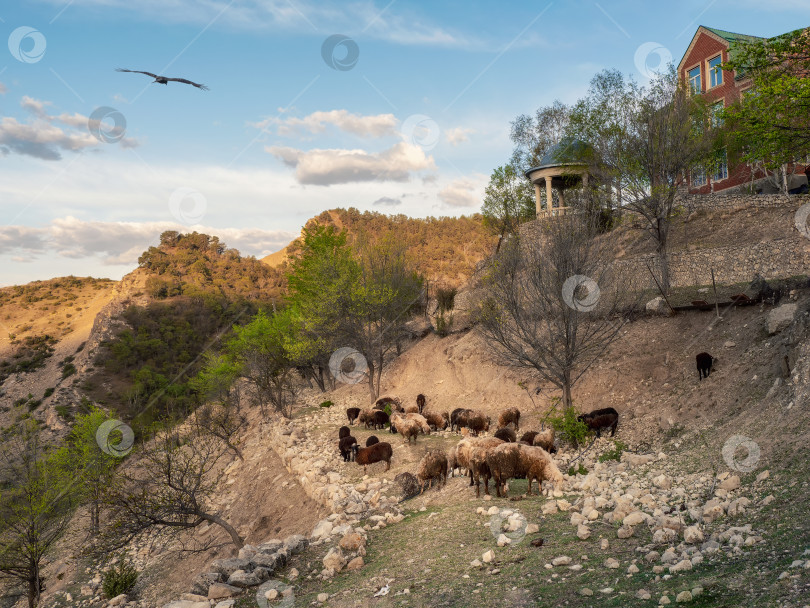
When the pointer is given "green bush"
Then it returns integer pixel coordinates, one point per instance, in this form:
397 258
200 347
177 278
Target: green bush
327 403
581 470
615 453
119 579
48 393
443 325
569 428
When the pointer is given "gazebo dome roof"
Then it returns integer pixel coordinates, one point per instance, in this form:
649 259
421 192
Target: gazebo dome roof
569 151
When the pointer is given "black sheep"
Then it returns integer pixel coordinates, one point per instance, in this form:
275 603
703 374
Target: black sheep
344 431
352 413
704 365
458 418
420 402
347 446
380 419
600 419
371 441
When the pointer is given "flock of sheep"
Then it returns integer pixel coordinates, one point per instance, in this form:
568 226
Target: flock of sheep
499 457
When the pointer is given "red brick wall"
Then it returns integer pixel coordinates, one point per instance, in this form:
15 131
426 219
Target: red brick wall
707 47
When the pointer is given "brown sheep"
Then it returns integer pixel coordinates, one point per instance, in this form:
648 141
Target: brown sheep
517 460
412 409
421 400
344 431
371 441
420 420
510 415
366 417
352 413
478 462
379 452
528 437
545 440
464 449
478 423
437 422
406 428
394 403
452 460
506 434
458 418
432 465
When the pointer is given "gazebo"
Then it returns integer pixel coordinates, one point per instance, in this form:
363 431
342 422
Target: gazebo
563 166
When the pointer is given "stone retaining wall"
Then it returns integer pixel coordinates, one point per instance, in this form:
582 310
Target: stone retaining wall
696 202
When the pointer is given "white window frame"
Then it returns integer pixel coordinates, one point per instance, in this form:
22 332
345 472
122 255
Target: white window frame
714 73
692 79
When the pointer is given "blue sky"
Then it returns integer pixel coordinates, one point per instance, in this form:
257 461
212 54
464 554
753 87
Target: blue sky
394 106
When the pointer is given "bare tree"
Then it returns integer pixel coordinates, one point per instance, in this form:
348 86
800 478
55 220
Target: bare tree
552 301
170 489
36 504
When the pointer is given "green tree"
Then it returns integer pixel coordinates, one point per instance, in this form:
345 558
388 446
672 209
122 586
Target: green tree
94 467
37 500
770 125
508 202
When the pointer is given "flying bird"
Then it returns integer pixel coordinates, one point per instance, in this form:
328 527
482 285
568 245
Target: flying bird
163 79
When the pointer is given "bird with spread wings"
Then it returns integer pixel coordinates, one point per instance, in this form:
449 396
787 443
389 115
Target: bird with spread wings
164 79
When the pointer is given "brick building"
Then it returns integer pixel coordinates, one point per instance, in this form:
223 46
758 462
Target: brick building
699 68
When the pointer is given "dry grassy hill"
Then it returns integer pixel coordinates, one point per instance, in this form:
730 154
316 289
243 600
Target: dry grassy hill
446 249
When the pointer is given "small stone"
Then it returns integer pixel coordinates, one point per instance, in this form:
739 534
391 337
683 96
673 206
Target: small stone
697 591
489 556
606 590
585 591
532 529
604 544
693 535
271 594
730 483
611 563
681 566
583 532
625 532
219 591
493 511
664 601
503 540
683 596
632 569
322 597
764 475
663 482
476 563
355 564
643 594
563 560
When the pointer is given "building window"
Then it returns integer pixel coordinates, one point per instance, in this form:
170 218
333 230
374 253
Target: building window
694 80
698 177
715 73
716 118
721 169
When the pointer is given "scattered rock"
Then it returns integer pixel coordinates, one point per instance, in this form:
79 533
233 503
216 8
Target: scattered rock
583 532
488 557
611 563
693 535
334 559
219 591
780 317
355 564
585 591
730 483
563 560
625 532
683 596
322 597
643 594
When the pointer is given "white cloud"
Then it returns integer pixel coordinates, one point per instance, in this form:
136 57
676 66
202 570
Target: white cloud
42 138
327 167
457 135
463 192
380 125
405 27
123 242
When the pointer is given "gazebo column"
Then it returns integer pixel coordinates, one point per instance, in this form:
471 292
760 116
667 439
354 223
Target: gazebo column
538 196
549 198
585 180
560 198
